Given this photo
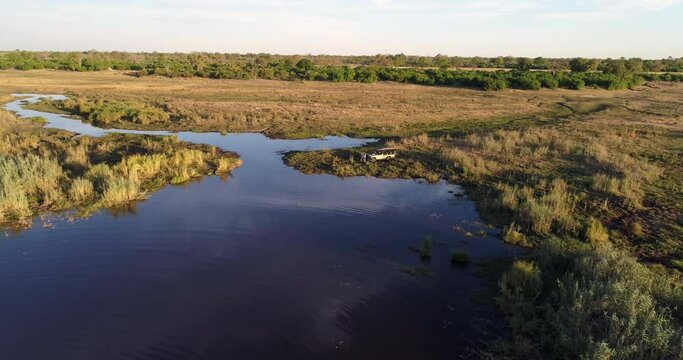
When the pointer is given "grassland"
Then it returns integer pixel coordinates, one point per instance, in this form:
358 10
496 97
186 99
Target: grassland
613 158
292 109
591 179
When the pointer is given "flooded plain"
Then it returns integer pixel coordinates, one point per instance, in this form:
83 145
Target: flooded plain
267 263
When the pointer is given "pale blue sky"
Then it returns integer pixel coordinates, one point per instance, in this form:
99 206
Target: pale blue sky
557 28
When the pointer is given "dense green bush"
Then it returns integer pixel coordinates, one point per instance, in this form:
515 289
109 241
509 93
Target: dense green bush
580 302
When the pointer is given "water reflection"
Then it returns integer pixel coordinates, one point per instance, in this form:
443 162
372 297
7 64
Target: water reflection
270 264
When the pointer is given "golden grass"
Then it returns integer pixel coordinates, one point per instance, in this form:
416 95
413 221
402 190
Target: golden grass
50 170
615 158
283 108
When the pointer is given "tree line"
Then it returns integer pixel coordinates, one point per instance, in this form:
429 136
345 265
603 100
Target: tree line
579 73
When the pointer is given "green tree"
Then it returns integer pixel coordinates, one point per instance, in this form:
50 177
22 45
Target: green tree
580 65
541 63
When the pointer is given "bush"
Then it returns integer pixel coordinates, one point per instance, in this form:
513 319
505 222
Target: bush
581 302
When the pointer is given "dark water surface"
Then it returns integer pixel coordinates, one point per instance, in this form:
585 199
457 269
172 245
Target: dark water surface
266 264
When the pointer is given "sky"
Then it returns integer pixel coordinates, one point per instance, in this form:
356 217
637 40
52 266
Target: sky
550 28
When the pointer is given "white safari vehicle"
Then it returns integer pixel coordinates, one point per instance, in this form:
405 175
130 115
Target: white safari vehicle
382 154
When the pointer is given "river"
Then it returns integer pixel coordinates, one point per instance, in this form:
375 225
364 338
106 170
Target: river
268 263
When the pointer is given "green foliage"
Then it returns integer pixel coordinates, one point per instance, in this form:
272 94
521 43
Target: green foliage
178 64
104 112
577 301
615 74
581 65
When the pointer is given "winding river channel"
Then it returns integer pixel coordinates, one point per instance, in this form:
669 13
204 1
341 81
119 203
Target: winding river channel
266 264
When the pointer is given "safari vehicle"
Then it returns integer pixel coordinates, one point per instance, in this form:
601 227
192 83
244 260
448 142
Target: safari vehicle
382 154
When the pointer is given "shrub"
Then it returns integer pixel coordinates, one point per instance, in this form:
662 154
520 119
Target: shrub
519 288
585 302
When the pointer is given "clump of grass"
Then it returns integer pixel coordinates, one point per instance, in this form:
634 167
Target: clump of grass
636 229
597 151
513 235
459 257
120 191
14 206
519 288
180 176
100 175
77 157
678 264
26 182
469 163
539 209
81 190
595 232
626 188
606 183
226 164
426 247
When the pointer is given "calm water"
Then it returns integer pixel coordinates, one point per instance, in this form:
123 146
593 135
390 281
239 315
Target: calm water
268 263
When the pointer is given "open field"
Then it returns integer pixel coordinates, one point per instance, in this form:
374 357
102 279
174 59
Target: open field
305 109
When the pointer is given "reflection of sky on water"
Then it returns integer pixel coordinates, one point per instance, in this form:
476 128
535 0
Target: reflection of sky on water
268 263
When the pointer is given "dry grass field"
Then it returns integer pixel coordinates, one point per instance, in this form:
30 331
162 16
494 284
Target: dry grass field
303 109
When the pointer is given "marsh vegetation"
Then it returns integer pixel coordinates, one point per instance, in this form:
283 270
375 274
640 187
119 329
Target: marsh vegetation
590 180
593 193
50 170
